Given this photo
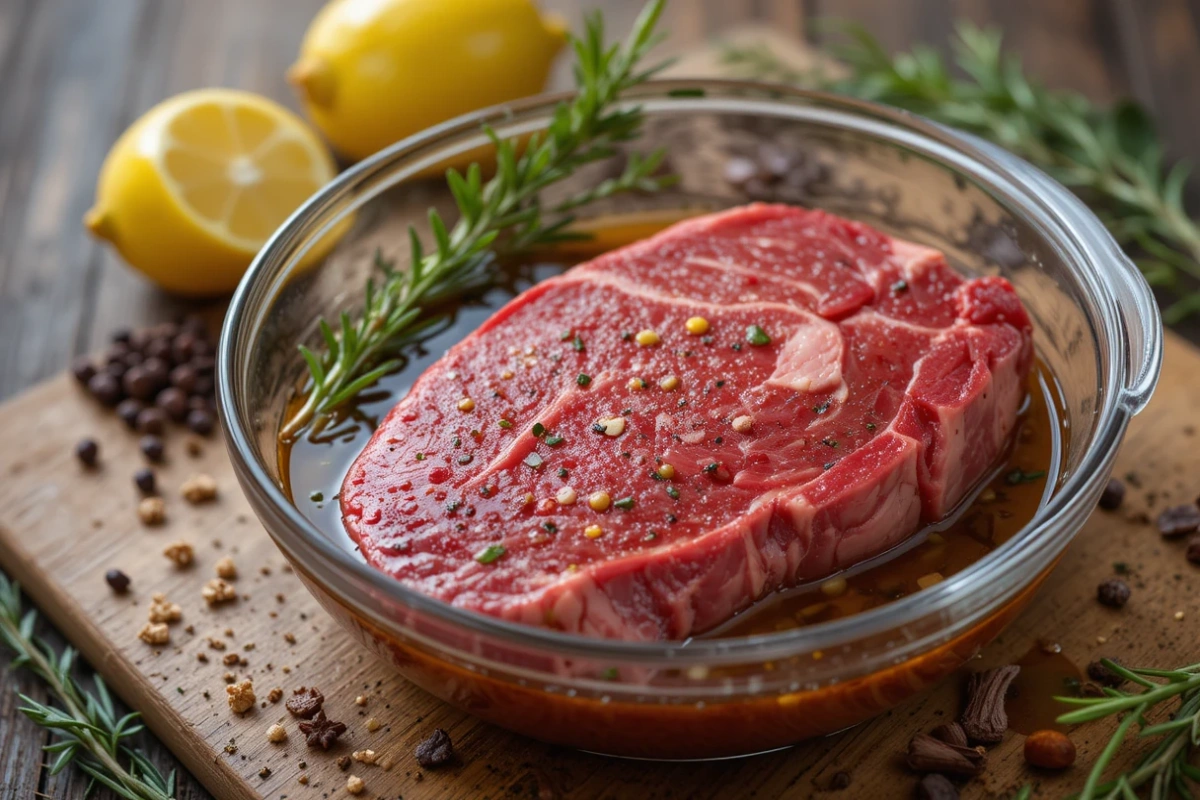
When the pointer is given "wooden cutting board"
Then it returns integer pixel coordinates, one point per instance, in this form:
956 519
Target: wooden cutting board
62 526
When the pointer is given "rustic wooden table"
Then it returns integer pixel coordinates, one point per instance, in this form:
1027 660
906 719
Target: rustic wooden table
76 72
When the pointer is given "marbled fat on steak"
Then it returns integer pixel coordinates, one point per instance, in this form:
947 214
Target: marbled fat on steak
850 387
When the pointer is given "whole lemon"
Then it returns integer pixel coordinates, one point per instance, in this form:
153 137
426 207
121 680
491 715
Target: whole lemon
194 188
374 71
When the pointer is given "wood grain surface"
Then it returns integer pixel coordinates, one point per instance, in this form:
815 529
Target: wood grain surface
76 72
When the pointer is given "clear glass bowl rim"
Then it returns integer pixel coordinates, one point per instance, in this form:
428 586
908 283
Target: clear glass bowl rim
1131 333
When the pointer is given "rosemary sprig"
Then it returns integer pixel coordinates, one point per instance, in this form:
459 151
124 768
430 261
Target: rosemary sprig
1167 766
584 130
1111 157
89 734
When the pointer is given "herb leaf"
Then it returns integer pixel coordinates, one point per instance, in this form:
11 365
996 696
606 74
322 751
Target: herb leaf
490 553
85 726
585 129
1111 156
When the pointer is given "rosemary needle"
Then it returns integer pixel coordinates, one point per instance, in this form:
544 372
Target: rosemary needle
1111 157
1168 766
88 732
584 130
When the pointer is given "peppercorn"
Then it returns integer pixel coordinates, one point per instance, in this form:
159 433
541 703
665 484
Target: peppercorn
106 388
1114 494
117 580
152 447
184 377
83 370
158 370
151 421
158 348
1113 593
1103 675
173 401
200 420
144 478
128 410
138 383
182 347
87 451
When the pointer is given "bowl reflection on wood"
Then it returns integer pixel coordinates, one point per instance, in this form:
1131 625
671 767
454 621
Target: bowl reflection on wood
1096 329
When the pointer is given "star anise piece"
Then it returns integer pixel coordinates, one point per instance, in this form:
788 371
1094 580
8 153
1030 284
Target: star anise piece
321 732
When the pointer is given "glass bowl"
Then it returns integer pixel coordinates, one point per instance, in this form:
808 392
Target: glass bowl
1097 330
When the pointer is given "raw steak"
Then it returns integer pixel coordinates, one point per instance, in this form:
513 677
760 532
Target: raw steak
882 388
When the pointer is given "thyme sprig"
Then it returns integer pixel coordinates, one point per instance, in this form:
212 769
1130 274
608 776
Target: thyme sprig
1167 767
86 727
1110 156
586 129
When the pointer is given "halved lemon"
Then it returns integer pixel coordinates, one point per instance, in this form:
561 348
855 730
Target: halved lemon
189 194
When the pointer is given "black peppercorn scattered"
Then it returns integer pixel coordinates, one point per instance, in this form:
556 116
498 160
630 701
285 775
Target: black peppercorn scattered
87 451
1103 675
151 420
144 478
173 401
1114 494
138 383
106 388
1113 593
117 580
184 377
128 410
152 448
840 781
83 370
200 420
158 348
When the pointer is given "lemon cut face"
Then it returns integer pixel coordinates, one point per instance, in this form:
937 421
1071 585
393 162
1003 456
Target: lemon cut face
241 168
193 189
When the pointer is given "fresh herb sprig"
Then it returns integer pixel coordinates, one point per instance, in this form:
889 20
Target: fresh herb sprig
88 731
1112 157
1168 766
584 130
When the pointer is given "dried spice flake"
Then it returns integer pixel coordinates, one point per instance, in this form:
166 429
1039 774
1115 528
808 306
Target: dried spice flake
305 702
436 750
217 591
241 696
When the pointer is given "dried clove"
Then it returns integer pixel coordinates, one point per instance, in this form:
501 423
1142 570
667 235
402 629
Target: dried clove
984 720
951 733
927 754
